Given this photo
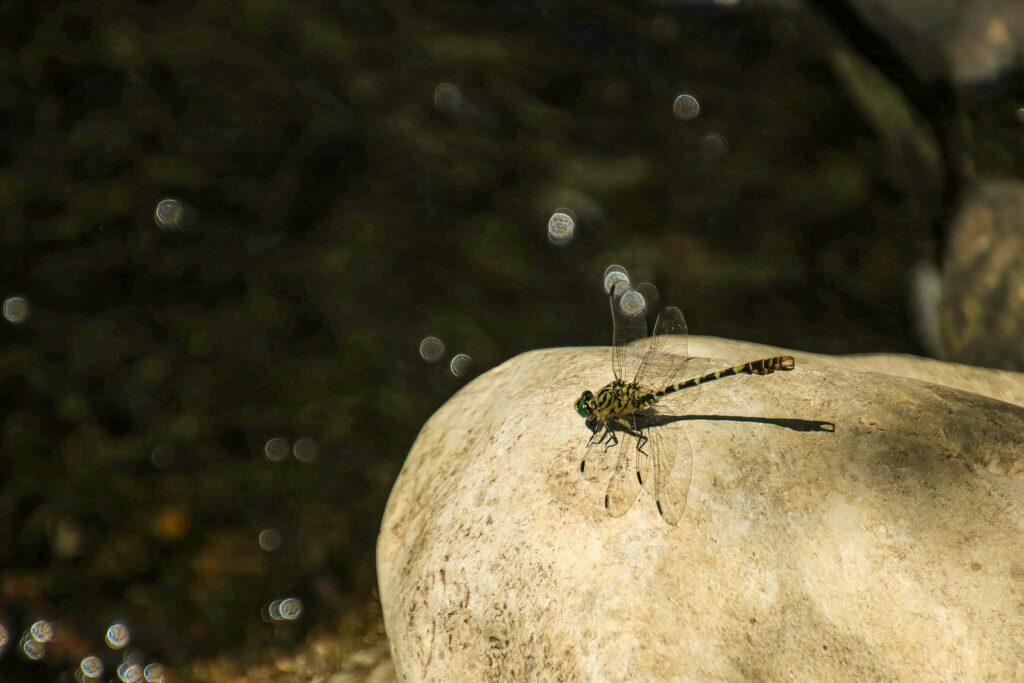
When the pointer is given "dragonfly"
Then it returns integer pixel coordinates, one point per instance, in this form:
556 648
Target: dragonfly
632 437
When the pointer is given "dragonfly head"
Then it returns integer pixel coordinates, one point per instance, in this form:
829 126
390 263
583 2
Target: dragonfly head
585 404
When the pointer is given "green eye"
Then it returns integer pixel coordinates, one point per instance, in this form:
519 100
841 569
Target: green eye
581 404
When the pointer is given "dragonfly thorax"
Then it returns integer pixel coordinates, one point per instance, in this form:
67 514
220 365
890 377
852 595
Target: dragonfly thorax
615 399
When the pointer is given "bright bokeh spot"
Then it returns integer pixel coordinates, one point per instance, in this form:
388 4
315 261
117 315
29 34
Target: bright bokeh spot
32 648
277 448
155 673
16 310
632 303
290 609
613 275
685 107
431 349
561 227
129 672
460 364
117 636
169 214
91 666
41 631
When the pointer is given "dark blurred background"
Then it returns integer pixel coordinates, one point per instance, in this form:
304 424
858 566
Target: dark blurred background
227 229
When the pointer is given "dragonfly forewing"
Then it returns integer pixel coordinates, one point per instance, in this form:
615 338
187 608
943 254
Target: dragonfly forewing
629 332
665 358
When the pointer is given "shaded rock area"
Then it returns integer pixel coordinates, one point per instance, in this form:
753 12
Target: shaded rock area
968 43
982 310
958 68
887 549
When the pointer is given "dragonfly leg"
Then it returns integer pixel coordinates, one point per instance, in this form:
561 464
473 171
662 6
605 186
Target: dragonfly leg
641 441
612 439
599 434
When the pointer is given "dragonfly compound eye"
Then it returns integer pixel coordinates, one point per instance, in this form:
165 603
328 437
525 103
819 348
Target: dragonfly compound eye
581 405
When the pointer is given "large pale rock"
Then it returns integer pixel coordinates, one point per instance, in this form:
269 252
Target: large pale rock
891 548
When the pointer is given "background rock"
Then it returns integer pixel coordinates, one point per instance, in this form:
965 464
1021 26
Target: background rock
956 66
968 43
982 310
885 550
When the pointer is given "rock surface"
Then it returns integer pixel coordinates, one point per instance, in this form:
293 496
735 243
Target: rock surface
888 549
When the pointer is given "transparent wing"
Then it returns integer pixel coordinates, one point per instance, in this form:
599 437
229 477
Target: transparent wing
666 462
672 458
598 460
606 460
629 335
666 357
624 487
667 361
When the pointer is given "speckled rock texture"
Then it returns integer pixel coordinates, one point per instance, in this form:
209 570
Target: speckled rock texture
982 309
889 549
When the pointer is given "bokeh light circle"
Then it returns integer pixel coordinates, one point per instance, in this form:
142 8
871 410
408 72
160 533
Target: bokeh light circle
632 303
460 364
431 349
614 274
562 227
117 636
91 666
685 107
169 214
16 309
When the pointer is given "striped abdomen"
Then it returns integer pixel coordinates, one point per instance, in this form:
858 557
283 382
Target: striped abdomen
765 366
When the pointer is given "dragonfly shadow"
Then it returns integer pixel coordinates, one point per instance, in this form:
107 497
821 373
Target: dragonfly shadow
795 424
